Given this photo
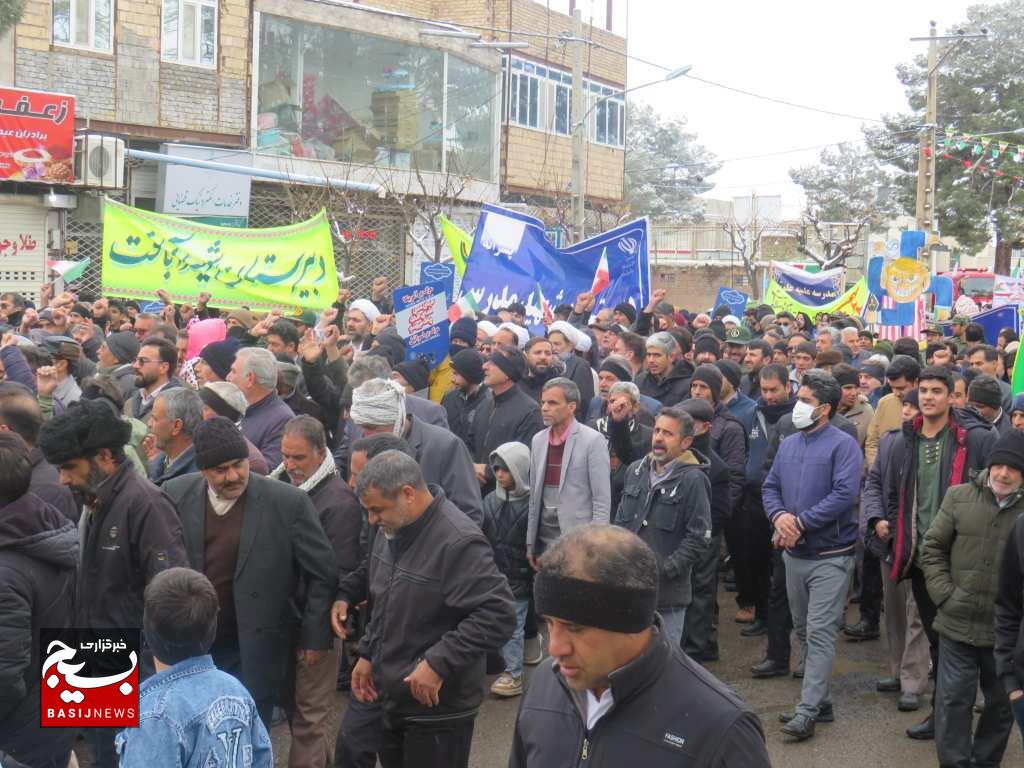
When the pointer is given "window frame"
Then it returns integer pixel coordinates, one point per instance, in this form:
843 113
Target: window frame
91 45
178 59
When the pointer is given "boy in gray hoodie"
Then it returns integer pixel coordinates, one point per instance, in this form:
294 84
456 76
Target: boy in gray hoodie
506 510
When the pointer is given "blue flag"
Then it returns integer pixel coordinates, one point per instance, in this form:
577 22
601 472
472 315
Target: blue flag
511 257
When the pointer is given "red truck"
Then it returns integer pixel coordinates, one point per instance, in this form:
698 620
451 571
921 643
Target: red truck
976 283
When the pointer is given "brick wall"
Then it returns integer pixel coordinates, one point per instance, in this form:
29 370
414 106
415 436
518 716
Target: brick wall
540 161
695 287
132 85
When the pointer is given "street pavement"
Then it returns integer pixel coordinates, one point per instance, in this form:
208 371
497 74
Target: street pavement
868 729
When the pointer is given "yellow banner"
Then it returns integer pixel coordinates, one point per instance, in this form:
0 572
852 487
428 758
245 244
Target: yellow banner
459 244
262 269
850 303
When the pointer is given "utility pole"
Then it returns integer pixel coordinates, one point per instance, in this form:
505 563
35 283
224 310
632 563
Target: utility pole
579 134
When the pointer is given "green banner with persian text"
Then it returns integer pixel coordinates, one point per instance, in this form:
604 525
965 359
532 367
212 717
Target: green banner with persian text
262 269
852 302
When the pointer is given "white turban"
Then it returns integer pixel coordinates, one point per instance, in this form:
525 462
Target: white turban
583 342
522 335
367 307
378 402
564 328
487 327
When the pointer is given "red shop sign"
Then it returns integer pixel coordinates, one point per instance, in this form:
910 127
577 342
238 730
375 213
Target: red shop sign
37 135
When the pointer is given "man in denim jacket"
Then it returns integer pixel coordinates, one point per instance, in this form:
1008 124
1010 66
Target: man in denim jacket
190 713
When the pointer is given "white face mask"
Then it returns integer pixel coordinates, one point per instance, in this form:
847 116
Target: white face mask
803 415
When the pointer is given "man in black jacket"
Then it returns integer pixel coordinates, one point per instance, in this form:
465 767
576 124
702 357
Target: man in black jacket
541 367
130 532
1009 622
439 605
616 691
38 557
667 503
667 374
256 539
467 394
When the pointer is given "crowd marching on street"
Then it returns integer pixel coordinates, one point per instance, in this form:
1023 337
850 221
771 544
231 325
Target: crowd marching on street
286 506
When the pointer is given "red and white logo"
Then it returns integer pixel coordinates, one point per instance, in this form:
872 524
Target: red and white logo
90 678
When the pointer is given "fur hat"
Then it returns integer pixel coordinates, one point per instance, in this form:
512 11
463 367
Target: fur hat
83 429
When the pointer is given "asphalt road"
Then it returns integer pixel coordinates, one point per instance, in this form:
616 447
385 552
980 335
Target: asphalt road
869 730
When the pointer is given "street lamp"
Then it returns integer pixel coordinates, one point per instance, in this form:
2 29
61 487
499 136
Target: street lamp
679 72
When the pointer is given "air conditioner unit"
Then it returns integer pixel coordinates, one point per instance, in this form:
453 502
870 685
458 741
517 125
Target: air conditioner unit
99 161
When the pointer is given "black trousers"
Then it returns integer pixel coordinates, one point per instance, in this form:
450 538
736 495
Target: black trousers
427 743
752 560
870 590
780 620
699 635
359 736
927 610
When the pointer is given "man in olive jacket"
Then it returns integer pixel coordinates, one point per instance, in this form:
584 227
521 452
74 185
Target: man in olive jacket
963 551
256 539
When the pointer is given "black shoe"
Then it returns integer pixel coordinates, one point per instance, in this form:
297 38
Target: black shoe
826 714
769 668
800 728
909 702
705 658
861 631
888 685
923 731
758 628
798 673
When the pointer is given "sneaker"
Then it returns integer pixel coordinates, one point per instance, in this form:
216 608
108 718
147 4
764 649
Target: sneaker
533 653
507 686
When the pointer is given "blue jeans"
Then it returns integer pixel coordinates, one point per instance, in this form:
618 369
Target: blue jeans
674 622
512 652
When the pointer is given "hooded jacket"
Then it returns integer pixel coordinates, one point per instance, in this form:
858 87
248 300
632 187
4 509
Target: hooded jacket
969 439
38 559
962 556
670 389
506 515
673 516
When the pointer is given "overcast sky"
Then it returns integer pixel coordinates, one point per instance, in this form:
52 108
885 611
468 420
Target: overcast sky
835 56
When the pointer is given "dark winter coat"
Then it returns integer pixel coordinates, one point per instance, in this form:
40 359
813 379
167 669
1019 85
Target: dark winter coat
445 461
673 518
263 425
47 486
341 517
160 471
533 383
133 407
506 516
721 483
762 439
132 534
652 724
435 595
461 410
38 558
968 442
512 416
670 389
581 374
729 441
281 542
1009 612
628 441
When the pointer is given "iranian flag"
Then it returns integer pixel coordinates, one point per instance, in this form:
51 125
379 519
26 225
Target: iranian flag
602 278
68 271
542 305
462 307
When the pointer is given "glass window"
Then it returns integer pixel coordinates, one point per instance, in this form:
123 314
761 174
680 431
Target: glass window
563 110
525 99
190 32
84 23
470 114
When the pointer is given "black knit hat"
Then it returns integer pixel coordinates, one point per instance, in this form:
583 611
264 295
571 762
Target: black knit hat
874 370
84 428
707 343
123 345
469 365
627 309
985 390
711 376
512 364
730 371
699 408
216 441
220 356
614 365
465 329
1009 450
415 372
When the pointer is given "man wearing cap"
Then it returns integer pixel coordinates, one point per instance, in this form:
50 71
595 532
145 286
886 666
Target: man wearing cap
56 385
222 398
961 559
130 531
509 415
115 357
379 406
462 335
624 314
728 436
467 394
613 370
736 340
986 397
871 378
257 540
215 361
359 318
853 405
564 341
616 690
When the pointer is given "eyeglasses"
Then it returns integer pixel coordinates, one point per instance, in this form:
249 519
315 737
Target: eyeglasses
143 361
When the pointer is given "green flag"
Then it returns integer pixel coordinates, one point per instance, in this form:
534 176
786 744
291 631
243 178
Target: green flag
459 244
1017 377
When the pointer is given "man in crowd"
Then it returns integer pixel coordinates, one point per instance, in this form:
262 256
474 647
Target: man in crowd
871 378
667 374
759 354
564 341
226 511
569 471
154 372
667 503
974 522
423 653
116 358
615 369
468 393
173 420
853 405
359 319
809 495
985 396
614 667
987 359
632 347
254 372
542 366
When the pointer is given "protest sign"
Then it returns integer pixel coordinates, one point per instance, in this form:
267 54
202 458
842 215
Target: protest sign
440 272
278 267
813 289
1007 290
735 300
37 136
421 318
851 302
512 258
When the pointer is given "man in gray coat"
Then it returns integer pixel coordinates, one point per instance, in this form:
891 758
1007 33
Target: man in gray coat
380 405
257 540
570 472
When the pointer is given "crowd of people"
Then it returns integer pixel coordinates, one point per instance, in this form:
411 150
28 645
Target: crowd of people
286 506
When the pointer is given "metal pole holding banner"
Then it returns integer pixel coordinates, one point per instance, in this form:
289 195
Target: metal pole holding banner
259 173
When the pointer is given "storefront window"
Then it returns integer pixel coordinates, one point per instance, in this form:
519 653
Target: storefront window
332 94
